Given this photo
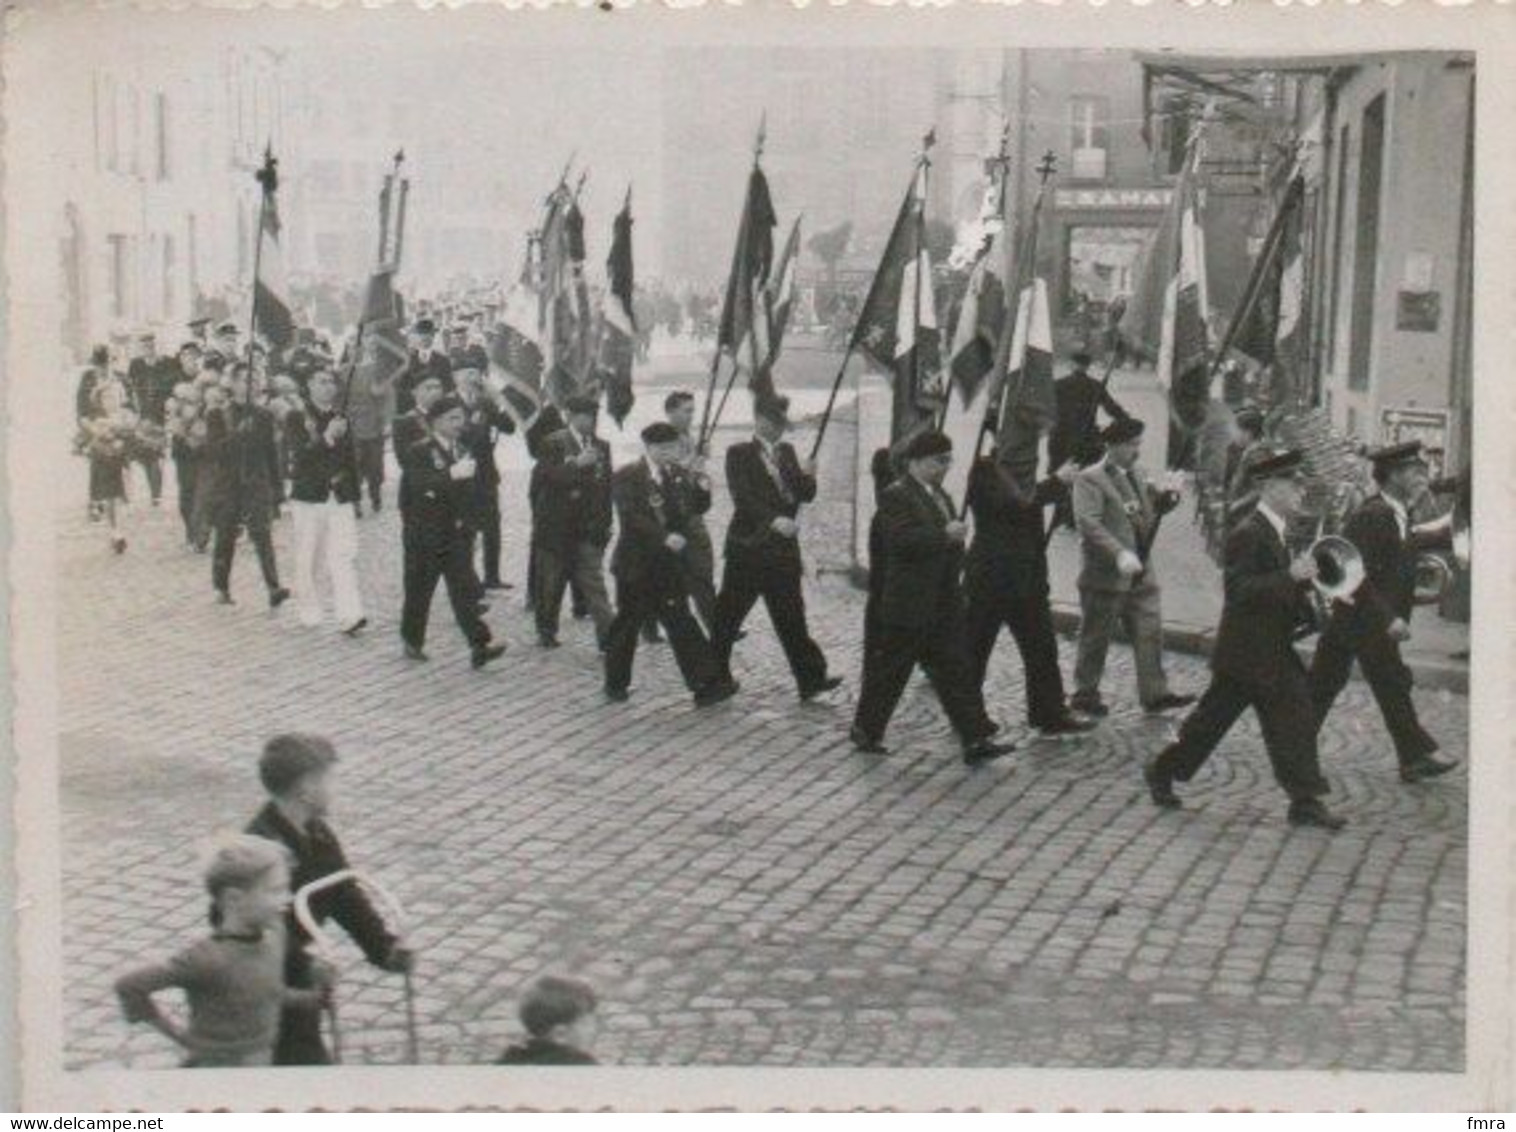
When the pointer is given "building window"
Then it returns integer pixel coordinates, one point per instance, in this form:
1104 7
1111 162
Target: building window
1089 136
1366 254
161 135
121 274
168 277
1339 242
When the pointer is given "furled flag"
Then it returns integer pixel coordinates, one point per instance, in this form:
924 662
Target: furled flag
897 326
1269 329
516 362
1028 407
272 316
1167 316
564 324
382 334
618 341
778 301
743 331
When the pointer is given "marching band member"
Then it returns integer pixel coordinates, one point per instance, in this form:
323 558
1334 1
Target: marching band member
1117 510
1370 625
487 422
769 484
918 540
699 558
323 490
1255 663
655 499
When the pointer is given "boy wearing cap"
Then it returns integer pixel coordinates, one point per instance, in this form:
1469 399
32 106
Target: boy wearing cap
296 771
769 484
425 361
555 1012
436 492
571 526
1117 512
918 617
1254 664
236 981
654 500
1370 625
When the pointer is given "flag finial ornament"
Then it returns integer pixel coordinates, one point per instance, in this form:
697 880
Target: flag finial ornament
399 159
268 175
763 130
1048 166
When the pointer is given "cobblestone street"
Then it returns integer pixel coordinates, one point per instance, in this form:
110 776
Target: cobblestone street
738 884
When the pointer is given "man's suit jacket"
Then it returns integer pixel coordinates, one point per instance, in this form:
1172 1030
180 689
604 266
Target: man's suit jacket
486 423
920 585
438 508
1079 398
757 500
1109 521
319 471
437 365
1389 563
1008 524
649 510
571 504
1263 608
239 460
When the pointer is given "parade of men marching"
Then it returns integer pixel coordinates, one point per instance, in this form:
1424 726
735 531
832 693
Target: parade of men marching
873 616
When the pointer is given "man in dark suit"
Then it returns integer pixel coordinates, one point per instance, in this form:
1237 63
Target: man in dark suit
1006 578
1370 625
571 521
410 428
769 483
151 379
425 361
656 502
436 490
1079 398
1254 663
241 476
487 422
918 619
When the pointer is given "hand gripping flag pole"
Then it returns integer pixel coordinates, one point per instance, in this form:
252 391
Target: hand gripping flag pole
322 944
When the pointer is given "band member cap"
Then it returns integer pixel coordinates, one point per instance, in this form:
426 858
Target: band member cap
1119 432
1396 455
444 404
925 445
1081 358
660 432
1279 465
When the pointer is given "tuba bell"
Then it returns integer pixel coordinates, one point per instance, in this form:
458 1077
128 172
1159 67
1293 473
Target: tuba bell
1339 568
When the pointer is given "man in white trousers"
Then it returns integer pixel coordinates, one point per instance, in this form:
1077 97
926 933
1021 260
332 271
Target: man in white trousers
323 497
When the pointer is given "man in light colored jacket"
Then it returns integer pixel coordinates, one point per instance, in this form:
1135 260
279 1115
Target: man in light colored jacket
1116 510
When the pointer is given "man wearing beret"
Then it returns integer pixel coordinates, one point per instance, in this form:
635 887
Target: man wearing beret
918 615
437 486
656 501
1117 512
571 521
1369 625
1254 664
769 484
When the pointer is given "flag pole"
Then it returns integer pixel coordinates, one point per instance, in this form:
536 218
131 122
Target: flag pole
268 179
706 430
1254 292
924 172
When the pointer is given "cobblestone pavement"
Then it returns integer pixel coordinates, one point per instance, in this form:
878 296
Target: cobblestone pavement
741 887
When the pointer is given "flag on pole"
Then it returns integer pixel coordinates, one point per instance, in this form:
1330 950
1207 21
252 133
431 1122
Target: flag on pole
1167 316
744 313
1269 330
981 320
618 342
517 362
1029 407
778 301
564 323
897 326
272 314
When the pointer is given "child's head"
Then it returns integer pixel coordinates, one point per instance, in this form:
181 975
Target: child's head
249 881
296 768
553 1004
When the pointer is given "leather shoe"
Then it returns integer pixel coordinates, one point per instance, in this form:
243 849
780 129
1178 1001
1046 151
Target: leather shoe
982 751
1066 725
617 695
277 597
1089 705
497 584
546 642
413 652
356 627
1426 766
1315 814
224 598
866 744
483 654
826 684
716 692
1168 702
1160 786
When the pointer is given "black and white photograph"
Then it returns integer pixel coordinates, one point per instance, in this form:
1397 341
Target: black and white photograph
757 540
